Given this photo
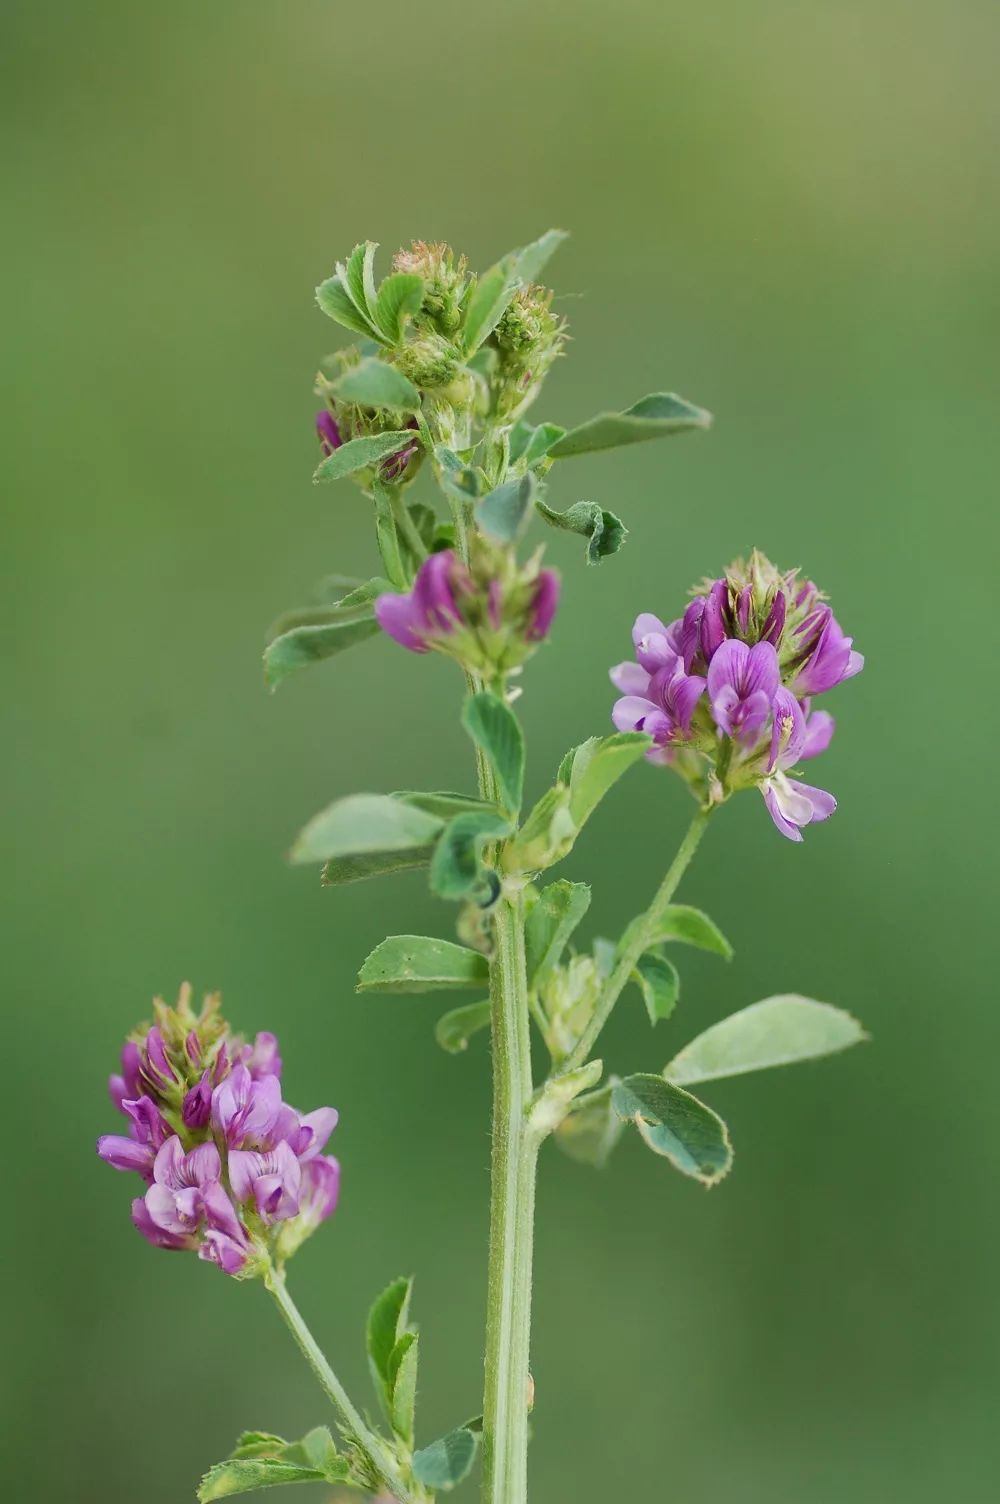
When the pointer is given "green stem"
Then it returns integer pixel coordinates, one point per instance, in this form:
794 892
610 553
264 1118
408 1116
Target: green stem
375 1449
640 935
514 1158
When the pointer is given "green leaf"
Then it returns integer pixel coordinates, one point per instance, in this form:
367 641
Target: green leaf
388 1321
260 1460
546 836
403 1362
354 869
496 730
336 302
310 643
676 1125
653 417
778 1031
358 276
692 927
453 1030
374 383
505 513
239 1477
420 963
591 1130
456 868
490 297
387 536
445 1463
605 533
553 1101
660 985
445 804
364 823
597 766
551 921
530 261
399 298
357 454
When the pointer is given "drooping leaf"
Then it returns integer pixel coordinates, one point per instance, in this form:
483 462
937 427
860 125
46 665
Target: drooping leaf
597 765
778 1031
591 1130
659 983
454 1029
605 533
551 921
357 454
692 927
337 303
654 417
421 963
388 1321
374 383
675 1124
456 866
399 298
497 732
403 1361
364 823
505 513
312 642
444 1464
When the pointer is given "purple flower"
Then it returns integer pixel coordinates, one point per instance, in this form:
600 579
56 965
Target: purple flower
148 1130
791 804
271 1179
262 1058
196 1109
173 1204
662 701
245 1111
430 608
829 655
224 1241
543 605
741 686
329 433
320 1190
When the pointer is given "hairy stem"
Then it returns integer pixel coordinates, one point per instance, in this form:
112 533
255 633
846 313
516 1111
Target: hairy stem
640 936
378 1454
515 1153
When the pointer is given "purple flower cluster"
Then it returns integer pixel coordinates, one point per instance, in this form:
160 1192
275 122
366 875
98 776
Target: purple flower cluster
231 1170
486 614
732 681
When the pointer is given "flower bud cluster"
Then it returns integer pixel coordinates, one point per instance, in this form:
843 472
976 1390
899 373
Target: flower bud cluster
339 421
231 1171
528 339
728 688
489 614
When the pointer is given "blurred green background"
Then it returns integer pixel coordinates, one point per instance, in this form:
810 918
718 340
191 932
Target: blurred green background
788 213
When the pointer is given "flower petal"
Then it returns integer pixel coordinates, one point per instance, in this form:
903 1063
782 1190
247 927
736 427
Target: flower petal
630 678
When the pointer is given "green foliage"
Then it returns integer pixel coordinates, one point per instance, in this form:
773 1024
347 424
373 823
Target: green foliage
597 766
530 261
388 1321
778 1031
317 639
585 775
456 867
605 533
554 1099
551 919
496 731
387 537
454 1029
358 454
675 1124
692 927
505 513
402 1385
591 1129
654 417
399 298
362 824
659 983
373 383
420 963
529 444
444 804
358 276
260 1460
444 1464
495 288
337 303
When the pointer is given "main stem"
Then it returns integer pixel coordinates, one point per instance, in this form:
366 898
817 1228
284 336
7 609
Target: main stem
642 934
512 1206
375 1448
